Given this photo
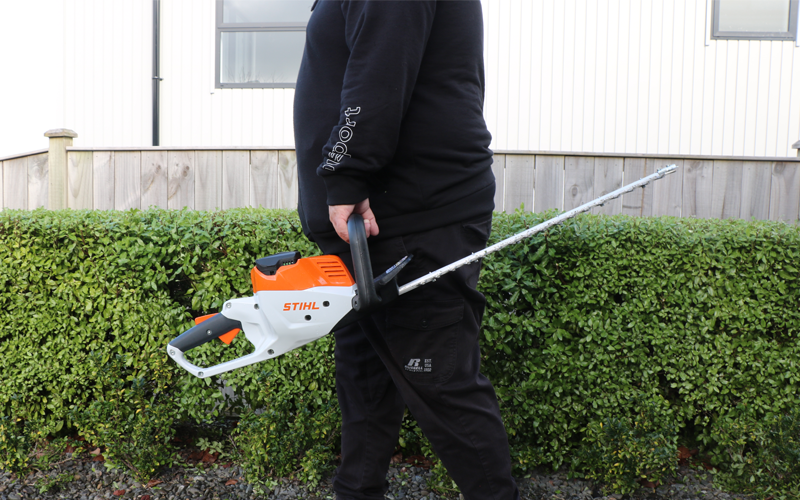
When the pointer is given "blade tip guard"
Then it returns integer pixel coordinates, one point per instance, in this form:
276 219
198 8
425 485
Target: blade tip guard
667 170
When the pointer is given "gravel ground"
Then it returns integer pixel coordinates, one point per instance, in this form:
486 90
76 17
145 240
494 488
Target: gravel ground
90 480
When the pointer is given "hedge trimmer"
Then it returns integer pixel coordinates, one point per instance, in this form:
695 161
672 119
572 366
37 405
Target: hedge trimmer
299 300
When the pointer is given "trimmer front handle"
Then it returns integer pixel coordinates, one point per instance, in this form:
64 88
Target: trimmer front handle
366 296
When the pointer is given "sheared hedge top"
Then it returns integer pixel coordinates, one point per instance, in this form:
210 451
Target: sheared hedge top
701 313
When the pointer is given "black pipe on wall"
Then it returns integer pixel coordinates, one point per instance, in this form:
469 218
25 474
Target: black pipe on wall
156 68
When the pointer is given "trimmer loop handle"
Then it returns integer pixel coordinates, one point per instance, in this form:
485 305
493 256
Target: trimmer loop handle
367 297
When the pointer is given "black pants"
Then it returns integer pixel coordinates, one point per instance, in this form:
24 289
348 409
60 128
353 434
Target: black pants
422 351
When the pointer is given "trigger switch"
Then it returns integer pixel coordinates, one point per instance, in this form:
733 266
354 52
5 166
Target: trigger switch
270 265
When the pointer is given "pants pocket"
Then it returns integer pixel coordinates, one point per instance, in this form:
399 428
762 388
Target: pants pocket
422 338
478 232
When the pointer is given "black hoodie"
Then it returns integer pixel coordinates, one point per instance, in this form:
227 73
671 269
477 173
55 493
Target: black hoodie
389 106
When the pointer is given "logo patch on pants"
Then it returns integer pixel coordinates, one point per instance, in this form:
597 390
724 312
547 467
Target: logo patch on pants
419 365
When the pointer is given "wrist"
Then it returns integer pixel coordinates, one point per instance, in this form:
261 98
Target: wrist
342 190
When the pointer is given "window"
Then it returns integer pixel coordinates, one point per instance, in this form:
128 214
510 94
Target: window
260 42
755 19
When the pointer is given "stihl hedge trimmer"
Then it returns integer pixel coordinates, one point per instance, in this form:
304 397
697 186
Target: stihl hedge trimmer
299 300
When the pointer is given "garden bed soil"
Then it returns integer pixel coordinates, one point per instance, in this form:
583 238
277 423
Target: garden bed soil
202 476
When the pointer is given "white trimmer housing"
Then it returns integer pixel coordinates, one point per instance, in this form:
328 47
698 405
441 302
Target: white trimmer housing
272 329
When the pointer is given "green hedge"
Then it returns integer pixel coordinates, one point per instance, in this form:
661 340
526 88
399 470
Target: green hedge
582 322
704 313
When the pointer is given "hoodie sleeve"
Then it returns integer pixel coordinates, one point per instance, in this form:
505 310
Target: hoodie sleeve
387 41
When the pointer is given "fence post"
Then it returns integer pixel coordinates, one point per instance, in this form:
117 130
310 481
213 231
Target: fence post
60 140
796 146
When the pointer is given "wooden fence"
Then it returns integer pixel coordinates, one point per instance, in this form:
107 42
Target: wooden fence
174 178
209 179
703 187
24 181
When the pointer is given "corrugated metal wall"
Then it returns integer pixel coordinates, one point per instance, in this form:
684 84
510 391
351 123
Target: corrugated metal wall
621 76
107 71
31 87
108 80
635 76
193 111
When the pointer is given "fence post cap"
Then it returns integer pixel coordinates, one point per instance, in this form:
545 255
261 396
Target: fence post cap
60 132
796 145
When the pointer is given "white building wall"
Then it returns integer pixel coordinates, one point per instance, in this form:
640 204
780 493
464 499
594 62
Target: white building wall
108 72
193 112
32 76
634 76
607 76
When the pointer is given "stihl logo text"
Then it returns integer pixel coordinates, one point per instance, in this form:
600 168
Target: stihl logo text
300 306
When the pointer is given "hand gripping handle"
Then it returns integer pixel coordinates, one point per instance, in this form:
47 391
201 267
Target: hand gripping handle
366 297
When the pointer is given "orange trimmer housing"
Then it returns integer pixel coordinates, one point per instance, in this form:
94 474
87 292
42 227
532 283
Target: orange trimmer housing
310 272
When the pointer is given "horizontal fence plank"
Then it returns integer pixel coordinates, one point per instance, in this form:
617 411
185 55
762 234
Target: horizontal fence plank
23 155
170 148
619 154
789 159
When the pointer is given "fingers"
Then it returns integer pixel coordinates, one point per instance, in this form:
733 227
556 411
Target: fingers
339 214
370 223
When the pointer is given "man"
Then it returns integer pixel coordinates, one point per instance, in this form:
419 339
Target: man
388 118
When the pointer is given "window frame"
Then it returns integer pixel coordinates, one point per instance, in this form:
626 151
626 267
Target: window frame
790 35
222 27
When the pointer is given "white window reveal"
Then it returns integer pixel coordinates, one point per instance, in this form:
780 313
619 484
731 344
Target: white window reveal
260 42
755 19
